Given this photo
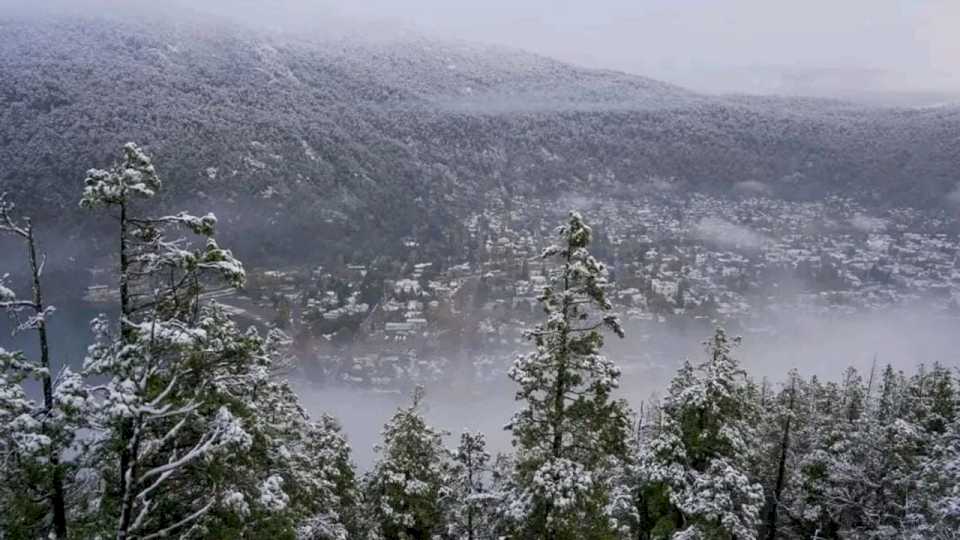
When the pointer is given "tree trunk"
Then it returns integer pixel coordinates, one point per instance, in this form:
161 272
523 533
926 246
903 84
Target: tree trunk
559 392
128 435
57 498
128 480
125 309
781 470
470 533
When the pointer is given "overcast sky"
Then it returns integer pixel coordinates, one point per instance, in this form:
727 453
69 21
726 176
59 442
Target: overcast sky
719 45
902 44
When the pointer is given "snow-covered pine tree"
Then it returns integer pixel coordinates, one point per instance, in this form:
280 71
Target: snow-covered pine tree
158 427
628 503
932 398
337 507
896 441
936 501
296 478
18 437
933 500
938 486
408 491
900 442
185 387
41 432
502 487
699 460
777 419
854 460
471 510
23 499
868 458
570 426
803 499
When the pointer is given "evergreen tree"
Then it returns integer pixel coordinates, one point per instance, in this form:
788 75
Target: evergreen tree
805 491
780 416
31 436
855 468
471 517
869 458
570 427
502 487
939 487
37 434
628 501
408 491
151 409
296 478
200 434
700 458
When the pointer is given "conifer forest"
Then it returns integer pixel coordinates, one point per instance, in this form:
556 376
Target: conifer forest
425 271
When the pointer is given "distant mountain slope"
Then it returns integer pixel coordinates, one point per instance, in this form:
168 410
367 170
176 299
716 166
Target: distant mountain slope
347 140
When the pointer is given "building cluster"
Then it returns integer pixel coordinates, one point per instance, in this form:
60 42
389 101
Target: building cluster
674 260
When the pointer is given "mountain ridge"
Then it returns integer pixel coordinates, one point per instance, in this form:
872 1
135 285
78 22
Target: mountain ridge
299 134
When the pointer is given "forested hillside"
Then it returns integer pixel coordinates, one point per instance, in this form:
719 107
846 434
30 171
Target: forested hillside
181 423
373 140
565 260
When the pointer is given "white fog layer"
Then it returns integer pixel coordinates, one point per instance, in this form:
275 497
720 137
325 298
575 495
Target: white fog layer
424 269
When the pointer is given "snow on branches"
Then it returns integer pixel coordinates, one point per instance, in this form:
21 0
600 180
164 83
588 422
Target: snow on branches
700 453
133 174
409 487
570 425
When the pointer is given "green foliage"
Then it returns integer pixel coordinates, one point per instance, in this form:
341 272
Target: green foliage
191 428
700 454
408 490
571 429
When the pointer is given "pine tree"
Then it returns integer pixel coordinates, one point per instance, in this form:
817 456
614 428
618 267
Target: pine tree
502 487
42 432
296 477
780 416
471 516
31 436
804 498
201 435
935 499
570 427
700 458
629 499
19 439
869 458
853 469
156 422
409 488
939 485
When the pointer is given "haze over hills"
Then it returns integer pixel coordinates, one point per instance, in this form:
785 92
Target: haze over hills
866 86
396 151
378 139
255 219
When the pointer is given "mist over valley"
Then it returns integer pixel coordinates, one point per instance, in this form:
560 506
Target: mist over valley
319 270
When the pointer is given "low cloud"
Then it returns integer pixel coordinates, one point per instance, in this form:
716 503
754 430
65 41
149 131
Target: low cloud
752 186
867 223
954 196
719 231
